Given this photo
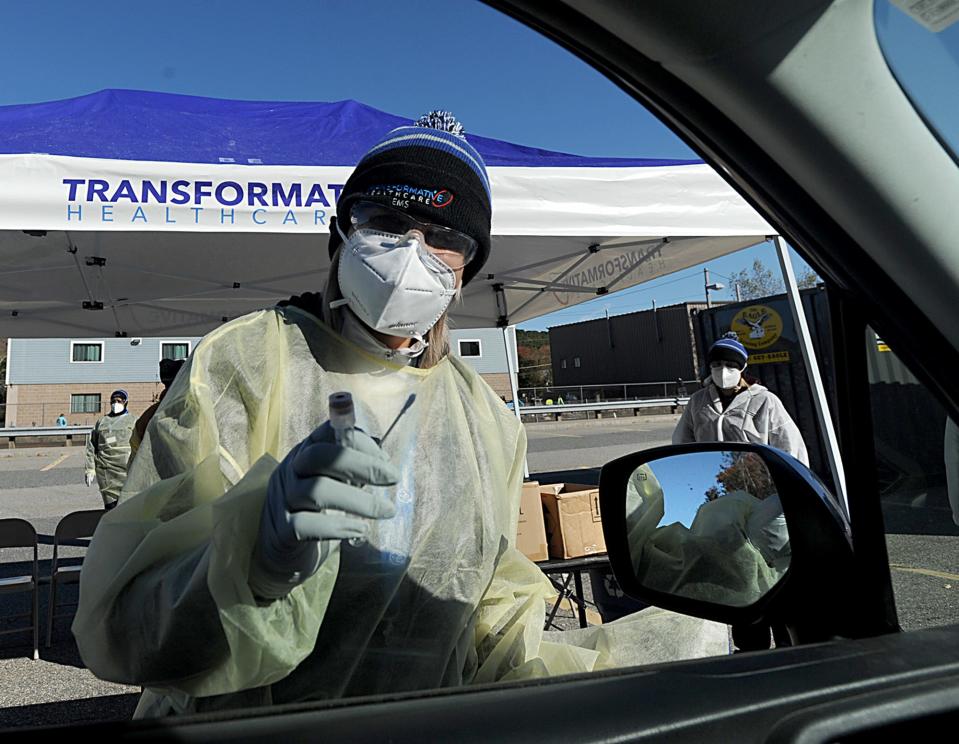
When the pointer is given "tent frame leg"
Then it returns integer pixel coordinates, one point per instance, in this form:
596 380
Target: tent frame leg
820 401
513 365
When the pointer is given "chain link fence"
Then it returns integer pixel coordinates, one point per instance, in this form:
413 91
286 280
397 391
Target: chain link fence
559 395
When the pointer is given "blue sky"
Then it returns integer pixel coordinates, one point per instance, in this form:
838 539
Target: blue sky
501 79
685 480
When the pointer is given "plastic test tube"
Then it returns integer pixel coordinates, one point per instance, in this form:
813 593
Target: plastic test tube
343 419
342 415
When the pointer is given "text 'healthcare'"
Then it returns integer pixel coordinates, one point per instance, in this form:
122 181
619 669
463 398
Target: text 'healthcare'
215 200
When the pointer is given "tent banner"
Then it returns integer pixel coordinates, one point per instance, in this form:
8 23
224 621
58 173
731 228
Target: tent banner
51 192
68 193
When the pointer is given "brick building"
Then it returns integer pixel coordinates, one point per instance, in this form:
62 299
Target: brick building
74 377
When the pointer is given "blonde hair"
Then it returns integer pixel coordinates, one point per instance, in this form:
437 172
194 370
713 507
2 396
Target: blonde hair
437 338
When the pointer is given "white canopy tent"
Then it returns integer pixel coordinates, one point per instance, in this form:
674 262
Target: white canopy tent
125 213
150 214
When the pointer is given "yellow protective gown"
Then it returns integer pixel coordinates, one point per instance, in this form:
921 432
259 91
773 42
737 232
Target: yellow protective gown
108 452
715 558
438 596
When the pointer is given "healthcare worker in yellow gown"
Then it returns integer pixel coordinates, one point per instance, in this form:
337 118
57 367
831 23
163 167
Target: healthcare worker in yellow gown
108 449
225 577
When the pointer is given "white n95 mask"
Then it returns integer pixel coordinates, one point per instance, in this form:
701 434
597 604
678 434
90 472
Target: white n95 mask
392 283
118 408
725 378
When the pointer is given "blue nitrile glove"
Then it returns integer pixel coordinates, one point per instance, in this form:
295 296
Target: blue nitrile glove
315 496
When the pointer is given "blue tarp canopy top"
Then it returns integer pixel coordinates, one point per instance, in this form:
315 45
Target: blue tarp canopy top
137 125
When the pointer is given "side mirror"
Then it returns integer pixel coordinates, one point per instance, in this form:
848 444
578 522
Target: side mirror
737 533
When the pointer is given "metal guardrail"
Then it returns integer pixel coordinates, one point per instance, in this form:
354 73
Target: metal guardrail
43 431
612 405
605 406
13 433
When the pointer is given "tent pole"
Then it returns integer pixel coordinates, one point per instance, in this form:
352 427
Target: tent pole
513 366
812 372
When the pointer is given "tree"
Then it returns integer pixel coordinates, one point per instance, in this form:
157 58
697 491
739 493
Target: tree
535 364
742 471
807 279
762 282
757 282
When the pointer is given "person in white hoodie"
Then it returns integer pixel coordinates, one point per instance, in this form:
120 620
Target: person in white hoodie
730 409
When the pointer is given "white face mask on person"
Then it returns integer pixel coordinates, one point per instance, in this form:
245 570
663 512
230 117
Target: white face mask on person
393 283
725 378
118 408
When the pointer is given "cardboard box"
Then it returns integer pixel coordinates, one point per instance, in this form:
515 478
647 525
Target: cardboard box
574 524
531 531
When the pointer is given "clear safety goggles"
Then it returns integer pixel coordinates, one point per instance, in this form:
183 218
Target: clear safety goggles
452 247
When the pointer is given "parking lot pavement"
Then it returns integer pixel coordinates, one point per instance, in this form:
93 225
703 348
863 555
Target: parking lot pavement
573 445
41 485
56 689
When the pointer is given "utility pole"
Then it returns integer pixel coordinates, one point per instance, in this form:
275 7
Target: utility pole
715 286
739 294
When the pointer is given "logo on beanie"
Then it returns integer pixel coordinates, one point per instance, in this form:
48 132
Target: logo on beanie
442 199
403 195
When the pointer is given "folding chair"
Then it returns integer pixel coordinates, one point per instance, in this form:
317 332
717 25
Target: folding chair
18 533
76 525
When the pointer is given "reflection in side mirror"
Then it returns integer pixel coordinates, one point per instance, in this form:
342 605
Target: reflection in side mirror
707 526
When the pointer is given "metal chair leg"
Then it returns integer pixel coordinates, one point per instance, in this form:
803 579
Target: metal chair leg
563 593
52 608
35 616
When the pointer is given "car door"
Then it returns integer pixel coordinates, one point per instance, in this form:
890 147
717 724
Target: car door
731 81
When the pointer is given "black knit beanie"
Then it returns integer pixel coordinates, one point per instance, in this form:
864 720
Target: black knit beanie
430 171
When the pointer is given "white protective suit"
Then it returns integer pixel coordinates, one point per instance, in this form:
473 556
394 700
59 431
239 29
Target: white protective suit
438 596
754 415
108 453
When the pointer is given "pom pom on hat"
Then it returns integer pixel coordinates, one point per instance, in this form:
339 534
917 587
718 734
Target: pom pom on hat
443 121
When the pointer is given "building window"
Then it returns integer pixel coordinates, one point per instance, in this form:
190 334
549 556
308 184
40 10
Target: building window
564 364
576 361
85 403
86 352
175 350
470 348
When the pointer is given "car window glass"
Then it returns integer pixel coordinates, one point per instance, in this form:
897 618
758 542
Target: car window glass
917 454
639 359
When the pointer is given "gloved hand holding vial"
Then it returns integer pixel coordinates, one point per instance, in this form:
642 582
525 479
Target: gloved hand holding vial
316 496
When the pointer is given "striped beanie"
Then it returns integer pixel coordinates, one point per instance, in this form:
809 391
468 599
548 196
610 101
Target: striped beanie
429 170
728 349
